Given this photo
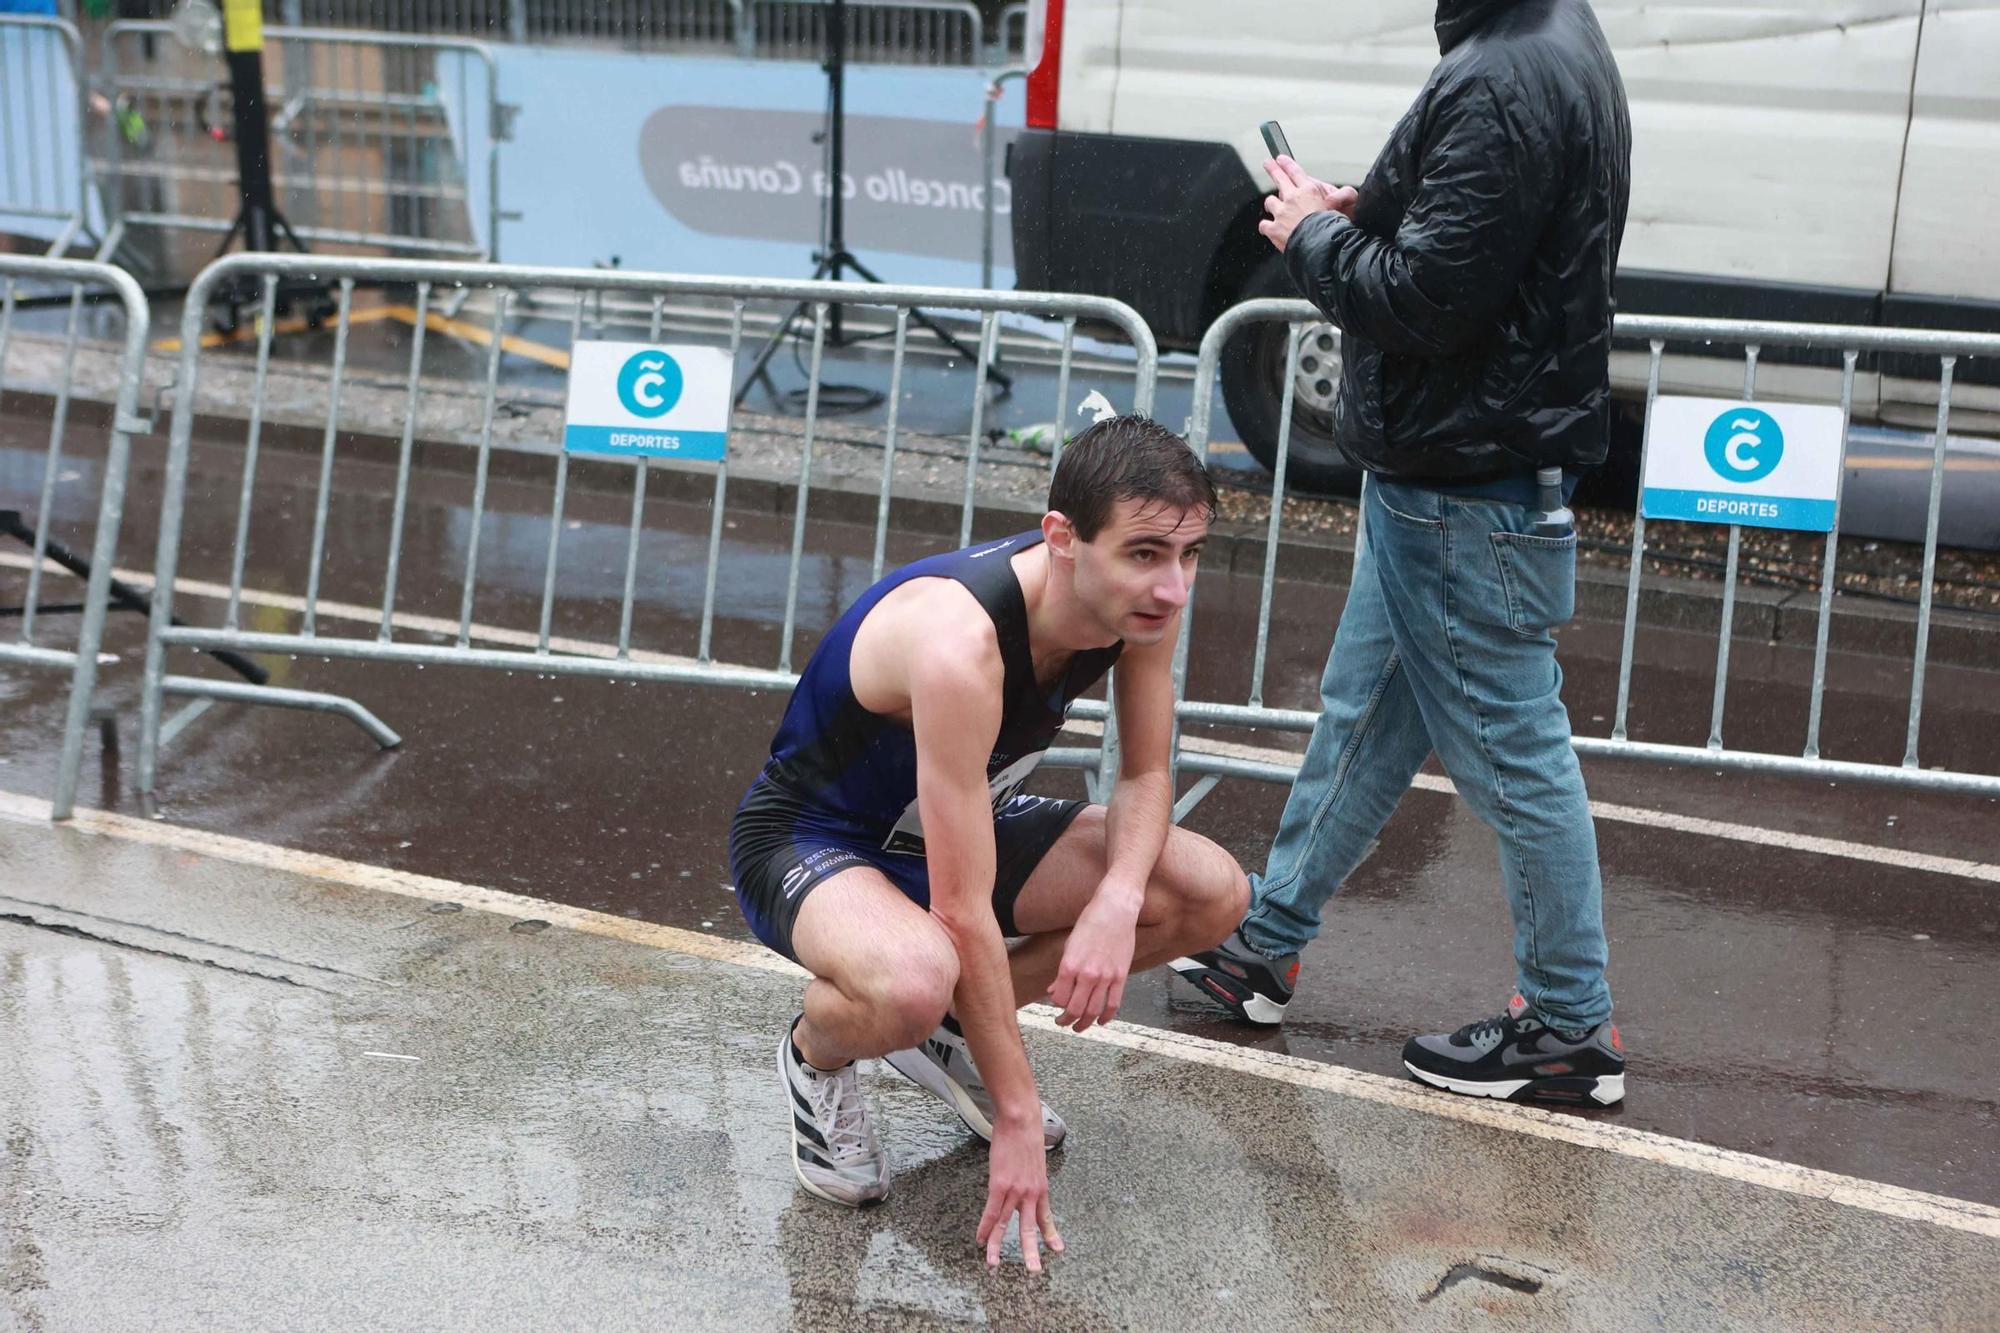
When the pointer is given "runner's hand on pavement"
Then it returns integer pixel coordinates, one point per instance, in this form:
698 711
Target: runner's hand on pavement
1299 196
1090 985
1017 1184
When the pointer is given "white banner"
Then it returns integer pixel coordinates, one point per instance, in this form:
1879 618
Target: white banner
636 399
1766 465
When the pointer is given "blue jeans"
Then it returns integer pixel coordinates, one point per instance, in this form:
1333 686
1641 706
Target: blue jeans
1445 646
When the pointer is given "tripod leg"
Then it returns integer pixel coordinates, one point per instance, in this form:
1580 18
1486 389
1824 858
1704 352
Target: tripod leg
122 593
229 237
760 368
943 335
285 226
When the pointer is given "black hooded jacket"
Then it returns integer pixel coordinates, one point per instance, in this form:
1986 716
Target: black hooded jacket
1473 287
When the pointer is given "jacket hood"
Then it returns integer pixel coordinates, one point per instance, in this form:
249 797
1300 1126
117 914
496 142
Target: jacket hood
1459 19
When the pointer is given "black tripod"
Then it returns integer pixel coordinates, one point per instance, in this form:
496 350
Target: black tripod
124 597
836 258
258 221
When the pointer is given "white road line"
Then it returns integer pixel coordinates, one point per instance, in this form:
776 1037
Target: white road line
1639 1145
1797 842
1782 839
1618 814
372 615
267 856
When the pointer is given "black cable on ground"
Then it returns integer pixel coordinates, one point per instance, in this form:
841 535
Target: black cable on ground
834 399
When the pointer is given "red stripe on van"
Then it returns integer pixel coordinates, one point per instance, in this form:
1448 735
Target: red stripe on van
1045 79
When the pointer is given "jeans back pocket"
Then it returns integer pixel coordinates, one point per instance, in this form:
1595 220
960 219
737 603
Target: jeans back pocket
1538 575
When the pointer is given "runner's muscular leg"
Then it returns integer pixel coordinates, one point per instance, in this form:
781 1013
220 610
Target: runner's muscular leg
1196 896
883 970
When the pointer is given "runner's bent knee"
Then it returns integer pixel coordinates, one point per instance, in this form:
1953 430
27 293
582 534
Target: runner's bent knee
910 989
1202 884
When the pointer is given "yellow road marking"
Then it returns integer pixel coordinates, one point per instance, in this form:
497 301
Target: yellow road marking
457 328
509 342
1959 464
294 324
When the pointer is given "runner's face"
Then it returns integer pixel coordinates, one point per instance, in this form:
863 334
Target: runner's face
1136 574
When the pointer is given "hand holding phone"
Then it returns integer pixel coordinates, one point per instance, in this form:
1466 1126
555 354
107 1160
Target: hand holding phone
1340 198
1274 139
1299 195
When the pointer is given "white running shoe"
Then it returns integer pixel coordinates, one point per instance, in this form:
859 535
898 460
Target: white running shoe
942 1066
834 1148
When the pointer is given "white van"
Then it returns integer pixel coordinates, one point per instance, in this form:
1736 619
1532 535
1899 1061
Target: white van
1830 161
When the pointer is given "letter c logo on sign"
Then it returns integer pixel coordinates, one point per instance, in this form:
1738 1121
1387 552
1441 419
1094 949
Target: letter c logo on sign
649 384
1744 445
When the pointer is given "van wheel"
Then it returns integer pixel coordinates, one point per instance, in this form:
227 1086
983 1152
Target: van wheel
1253 388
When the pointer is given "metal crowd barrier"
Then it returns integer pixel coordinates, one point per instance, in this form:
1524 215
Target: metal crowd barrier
61 505
42 99
579 297
364 151
989 139
1657 332
454 18
1014 31
929 32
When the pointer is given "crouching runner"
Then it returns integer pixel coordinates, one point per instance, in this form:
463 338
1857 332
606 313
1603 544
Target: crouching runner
887 846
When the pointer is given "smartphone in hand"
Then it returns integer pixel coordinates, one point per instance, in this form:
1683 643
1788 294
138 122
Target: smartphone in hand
1274 139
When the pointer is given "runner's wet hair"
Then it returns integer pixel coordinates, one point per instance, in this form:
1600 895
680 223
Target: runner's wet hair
1127 458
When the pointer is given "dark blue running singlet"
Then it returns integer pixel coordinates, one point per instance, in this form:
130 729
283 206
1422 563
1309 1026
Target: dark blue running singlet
858 769
841 783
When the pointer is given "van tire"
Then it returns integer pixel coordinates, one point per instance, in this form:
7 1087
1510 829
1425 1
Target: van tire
1253 386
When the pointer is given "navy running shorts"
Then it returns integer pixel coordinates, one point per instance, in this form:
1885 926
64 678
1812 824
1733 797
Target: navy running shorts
777 856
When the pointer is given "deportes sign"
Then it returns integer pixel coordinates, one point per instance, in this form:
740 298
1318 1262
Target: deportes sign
638 400
1714 460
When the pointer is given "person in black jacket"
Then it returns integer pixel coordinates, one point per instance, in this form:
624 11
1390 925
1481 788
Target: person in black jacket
1471 278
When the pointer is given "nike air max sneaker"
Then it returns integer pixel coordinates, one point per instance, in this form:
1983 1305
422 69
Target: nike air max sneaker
1251 986
942 1066
1517 1056
834 1148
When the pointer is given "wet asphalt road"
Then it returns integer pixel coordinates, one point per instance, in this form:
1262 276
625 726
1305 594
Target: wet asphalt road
238 1096
1819 1009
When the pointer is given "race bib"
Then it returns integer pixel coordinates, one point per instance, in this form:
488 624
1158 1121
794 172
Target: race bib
907 837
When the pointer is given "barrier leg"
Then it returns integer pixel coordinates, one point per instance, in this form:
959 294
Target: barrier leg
310 701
